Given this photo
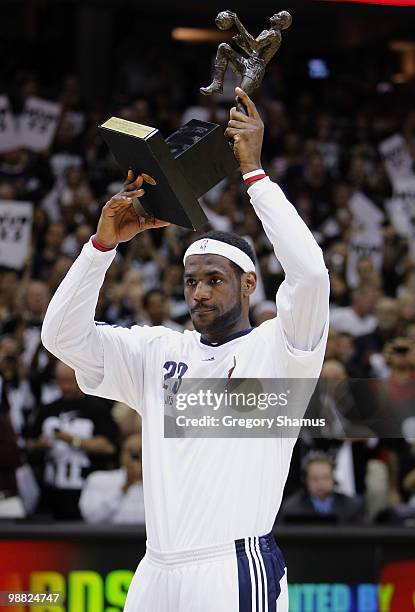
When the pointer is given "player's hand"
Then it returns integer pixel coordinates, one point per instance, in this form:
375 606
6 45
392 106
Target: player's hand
119 221
247 132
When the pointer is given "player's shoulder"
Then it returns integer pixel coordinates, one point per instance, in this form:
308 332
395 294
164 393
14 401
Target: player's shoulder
151 336
152 332
137 334
184 339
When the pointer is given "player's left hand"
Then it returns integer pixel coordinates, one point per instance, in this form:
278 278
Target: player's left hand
247 132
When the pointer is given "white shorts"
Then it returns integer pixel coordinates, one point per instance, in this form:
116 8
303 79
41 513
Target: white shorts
246 575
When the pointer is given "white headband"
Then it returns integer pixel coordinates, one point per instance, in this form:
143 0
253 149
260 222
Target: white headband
208 246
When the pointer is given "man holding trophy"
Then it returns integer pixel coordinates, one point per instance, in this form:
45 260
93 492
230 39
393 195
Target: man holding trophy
210 503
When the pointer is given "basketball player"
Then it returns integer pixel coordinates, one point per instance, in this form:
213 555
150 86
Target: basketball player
210 503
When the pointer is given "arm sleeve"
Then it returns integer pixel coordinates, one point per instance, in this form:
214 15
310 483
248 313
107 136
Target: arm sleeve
303 297
108 361
99 501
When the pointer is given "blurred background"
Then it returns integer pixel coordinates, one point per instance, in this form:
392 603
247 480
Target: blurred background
338 106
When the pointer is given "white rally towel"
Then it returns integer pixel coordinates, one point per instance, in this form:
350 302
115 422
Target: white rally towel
38 123
15 232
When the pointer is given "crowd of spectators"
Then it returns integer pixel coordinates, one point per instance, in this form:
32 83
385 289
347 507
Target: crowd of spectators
60 450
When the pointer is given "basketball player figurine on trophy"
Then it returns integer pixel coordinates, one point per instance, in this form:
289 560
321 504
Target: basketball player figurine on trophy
259 52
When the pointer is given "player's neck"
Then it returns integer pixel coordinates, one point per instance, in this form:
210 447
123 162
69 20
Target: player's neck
219 337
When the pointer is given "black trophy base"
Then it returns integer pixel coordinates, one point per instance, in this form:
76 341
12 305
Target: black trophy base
203 155
185 166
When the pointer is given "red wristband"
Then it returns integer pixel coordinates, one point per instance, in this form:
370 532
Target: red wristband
252 177
96 245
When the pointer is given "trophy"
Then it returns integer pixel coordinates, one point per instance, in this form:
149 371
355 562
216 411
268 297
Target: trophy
181 168
256 53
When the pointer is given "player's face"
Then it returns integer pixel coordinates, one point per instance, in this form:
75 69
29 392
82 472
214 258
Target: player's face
212 290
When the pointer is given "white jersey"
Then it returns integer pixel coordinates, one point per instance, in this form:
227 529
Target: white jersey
201 492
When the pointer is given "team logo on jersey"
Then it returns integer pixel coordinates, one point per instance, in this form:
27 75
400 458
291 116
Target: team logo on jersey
230 372
204 244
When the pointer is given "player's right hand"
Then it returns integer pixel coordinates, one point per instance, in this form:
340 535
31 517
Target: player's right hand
247 132
119 221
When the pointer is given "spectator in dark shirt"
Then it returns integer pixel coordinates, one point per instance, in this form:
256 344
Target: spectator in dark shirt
76 435
319 499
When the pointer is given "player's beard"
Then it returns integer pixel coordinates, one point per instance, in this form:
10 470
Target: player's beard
223 322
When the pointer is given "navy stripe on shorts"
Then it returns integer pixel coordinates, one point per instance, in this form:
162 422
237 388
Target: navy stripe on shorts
261 566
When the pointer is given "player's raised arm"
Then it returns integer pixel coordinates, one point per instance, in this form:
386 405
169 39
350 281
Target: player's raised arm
69 330
303 297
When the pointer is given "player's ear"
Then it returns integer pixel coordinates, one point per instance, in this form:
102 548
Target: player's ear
248 283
